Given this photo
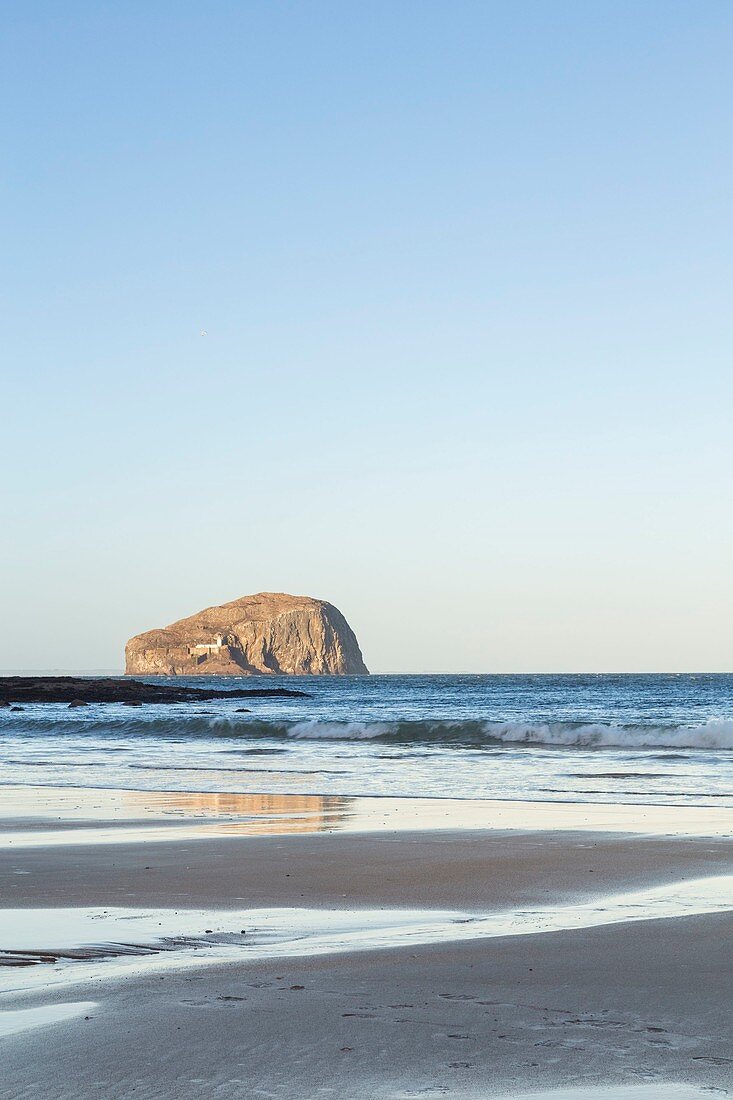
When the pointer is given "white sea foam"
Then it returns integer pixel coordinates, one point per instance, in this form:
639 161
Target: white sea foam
349 731
717 733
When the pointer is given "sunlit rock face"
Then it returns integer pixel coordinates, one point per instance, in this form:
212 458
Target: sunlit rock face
270 633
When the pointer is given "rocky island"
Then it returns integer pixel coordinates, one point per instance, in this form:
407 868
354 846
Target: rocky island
270 633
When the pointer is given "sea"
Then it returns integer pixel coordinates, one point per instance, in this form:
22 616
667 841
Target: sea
646 739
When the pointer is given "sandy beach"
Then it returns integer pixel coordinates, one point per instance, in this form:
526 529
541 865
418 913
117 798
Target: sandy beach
634 1003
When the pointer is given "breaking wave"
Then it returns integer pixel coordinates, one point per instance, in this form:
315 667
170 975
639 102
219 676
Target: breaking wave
716 733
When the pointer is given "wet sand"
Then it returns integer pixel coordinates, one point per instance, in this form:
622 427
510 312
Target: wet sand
30 816
629 1004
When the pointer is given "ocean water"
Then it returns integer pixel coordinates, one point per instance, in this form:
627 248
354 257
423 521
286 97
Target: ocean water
644 739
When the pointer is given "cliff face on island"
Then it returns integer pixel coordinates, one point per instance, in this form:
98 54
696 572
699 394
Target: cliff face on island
270 633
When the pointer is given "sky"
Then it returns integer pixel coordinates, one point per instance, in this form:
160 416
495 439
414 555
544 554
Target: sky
463 271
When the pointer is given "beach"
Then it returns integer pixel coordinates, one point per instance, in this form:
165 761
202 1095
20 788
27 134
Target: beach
314 1014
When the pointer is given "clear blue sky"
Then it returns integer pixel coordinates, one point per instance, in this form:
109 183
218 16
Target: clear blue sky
465 274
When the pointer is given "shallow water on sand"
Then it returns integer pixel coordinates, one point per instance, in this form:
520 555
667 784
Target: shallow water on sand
24 1019
41 947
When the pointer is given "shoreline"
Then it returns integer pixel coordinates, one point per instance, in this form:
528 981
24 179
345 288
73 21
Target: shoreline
98 814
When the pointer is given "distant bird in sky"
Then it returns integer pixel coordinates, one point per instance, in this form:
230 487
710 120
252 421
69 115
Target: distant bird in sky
203 332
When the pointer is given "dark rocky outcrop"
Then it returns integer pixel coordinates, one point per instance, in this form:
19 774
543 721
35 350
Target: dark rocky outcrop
80 689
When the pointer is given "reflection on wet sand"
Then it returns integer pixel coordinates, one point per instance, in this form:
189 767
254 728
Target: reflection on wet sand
57 815
293 813
84 816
